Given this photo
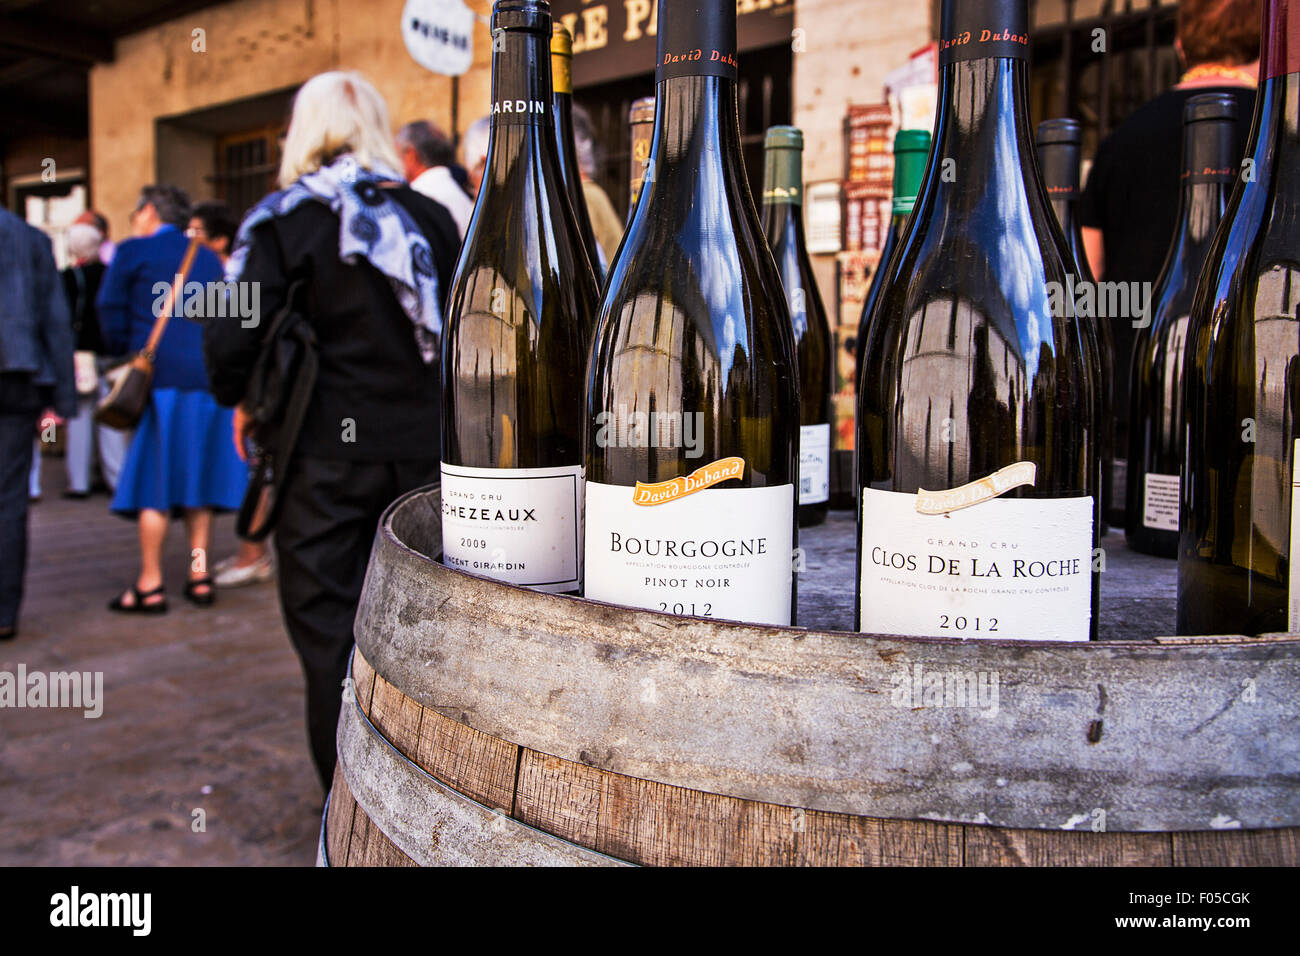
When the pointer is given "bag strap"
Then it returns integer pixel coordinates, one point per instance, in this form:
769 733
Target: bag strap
160 323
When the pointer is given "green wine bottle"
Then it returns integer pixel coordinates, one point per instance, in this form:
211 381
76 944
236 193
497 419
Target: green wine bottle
783 225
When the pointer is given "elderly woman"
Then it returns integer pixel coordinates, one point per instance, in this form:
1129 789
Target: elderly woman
375 259
180 461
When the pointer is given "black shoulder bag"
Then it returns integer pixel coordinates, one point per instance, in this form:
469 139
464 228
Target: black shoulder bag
279 392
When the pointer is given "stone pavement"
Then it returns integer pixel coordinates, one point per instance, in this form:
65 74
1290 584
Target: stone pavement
202 710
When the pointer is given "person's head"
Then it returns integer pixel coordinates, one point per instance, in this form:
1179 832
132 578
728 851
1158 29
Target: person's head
214 225
335 113
1219 31
92 218
474 146
161 204
584 142
421 146
84 241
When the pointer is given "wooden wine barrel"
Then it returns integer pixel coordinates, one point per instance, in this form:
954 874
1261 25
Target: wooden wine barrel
487 724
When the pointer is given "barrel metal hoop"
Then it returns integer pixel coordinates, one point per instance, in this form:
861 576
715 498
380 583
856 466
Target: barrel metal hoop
432 823
322 851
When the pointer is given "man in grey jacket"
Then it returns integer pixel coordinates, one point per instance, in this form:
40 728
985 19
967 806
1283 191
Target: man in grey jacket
36 373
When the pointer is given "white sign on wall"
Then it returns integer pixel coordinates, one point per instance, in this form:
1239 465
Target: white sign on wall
439 35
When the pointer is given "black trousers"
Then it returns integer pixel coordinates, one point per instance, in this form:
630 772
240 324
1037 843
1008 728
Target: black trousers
20 407
327 523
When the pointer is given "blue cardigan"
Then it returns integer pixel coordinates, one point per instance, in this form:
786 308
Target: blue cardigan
126 303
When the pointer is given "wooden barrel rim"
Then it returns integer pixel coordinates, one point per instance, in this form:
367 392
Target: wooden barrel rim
1157 737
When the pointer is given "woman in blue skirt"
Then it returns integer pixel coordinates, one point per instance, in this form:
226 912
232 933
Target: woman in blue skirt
182 460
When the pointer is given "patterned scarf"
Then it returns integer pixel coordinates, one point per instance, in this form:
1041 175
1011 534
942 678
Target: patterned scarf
373 227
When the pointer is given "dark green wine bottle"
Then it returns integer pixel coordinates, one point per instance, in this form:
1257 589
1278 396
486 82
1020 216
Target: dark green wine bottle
562 89
783 226
693 397
978 457
520 320
1241 380
911 149
1060 144
1210 166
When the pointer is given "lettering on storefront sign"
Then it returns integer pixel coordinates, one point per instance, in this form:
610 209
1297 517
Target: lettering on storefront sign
616 38
439 35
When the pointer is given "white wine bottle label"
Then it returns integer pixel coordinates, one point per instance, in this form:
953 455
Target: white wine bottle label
1293 556
519 525
814 464
1010 568
1119 484
1160 502
722 553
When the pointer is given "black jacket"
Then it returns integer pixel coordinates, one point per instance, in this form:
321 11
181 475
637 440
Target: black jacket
81 283
375 399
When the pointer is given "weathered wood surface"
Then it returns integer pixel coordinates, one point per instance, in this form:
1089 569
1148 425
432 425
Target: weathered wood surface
1184 737
650 823
420 817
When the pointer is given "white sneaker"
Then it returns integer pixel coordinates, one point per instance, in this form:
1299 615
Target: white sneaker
259 572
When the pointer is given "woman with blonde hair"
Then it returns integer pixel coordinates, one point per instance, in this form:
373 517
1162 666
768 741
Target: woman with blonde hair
370 261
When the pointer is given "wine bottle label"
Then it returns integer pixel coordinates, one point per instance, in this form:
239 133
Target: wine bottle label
814 464
723 552
697 38
1119 484
983 29
1010 568
1160 502
519 525
1293 583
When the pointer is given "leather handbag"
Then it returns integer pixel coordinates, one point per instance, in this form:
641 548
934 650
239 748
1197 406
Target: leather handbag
279 391
130 383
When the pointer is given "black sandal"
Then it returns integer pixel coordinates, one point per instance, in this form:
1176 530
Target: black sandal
202 600
139 606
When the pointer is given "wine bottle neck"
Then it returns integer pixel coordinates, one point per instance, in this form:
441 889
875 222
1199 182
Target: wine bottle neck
783 177
523 107
1065 210
1202 208
521 78
983 122
1209 171
696 123
783 224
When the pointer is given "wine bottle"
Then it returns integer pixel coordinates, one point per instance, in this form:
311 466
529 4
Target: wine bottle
911 147
693 395
1241 387
1060 143
783 226
1210 166
520 319
978 456
641 122
562 90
